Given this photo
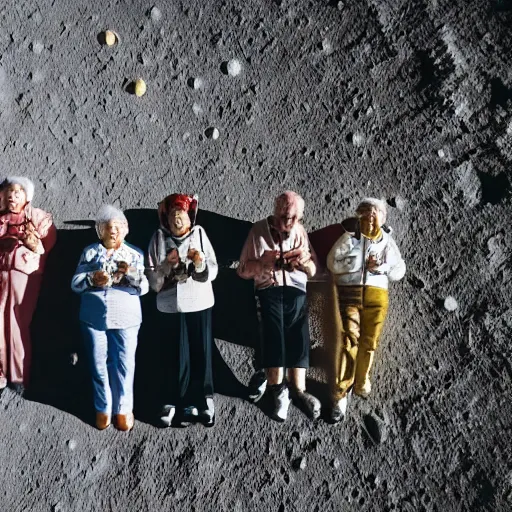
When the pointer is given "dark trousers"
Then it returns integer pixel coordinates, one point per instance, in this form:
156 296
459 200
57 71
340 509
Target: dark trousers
285 329
188 341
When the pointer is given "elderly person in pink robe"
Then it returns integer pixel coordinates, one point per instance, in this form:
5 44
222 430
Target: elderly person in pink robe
26 236
278 257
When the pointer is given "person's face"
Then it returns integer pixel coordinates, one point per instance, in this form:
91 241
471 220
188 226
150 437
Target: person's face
286 218
15 198
179 222
113 234
372 216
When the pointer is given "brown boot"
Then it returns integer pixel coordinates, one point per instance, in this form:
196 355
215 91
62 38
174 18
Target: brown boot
124 422
102 420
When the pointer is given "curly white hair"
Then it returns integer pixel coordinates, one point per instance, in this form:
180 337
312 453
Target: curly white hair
108 213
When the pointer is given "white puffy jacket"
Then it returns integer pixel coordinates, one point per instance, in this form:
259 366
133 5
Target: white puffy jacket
348 258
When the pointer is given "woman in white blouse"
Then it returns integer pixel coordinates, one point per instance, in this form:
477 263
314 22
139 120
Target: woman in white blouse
181 267
110 278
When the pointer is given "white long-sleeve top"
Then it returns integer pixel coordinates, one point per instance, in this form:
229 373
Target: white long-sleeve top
347 261
110 307
192 294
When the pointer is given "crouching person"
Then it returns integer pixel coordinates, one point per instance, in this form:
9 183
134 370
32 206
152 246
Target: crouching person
362 263
277 255
110 278
181 268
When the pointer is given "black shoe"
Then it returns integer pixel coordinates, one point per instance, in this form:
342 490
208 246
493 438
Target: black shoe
188 415
307 403
18 388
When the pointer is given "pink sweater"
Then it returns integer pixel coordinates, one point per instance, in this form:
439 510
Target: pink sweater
260 240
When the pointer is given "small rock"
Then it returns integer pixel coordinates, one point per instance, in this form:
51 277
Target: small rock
71 444
400 202
327 47
234 67
197 109
335 463
110 38
185 136
155 14
300 463
450 303
358 139
212 133
37 47
340 6
140 87
441 153
195 83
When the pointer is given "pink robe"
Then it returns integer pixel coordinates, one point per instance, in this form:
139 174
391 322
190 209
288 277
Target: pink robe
20 280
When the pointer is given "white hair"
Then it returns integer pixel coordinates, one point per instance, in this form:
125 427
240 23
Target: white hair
380 204
107 213
26 184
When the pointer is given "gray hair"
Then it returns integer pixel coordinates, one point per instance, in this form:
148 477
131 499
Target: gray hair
26 184
107 213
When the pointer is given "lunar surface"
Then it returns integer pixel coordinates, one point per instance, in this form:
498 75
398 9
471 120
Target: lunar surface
405 100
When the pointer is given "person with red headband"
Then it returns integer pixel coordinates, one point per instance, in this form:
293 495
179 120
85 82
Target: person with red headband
278 257
181 268
26 236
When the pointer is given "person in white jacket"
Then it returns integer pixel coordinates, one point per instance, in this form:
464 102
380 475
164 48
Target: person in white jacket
181 268
362 263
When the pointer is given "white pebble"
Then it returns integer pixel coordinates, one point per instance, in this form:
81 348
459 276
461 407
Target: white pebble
327 46
357 139
450 303
400 202
441 153
197 109
234 67
156 14
212 133
198 83
37 47
71 444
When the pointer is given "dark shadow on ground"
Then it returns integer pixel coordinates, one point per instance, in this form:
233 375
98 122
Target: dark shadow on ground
56 332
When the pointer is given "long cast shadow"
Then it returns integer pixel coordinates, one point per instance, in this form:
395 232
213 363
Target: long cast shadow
56 332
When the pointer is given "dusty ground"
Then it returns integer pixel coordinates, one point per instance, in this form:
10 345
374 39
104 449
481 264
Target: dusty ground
409 100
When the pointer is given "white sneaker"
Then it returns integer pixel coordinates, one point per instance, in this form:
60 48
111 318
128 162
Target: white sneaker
257 386
208 415
281 402
339 409
167 415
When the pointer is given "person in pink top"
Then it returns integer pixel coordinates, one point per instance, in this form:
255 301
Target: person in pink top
278 257
26 236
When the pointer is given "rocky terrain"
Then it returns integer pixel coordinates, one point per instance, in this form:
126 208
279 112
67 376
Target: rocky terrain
408 100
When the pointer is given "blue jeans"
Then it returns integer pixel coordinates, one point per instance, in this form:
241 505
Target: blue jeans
112 361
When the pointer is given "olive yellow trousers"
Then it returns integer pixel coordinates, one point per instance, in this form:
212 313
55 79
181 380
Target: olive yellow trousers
358 329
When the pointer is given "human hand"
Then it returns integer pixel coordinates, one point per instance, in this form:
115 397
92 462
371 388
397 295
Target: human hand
269 258
173 258
372 263
31 241
31 237
297 258
196 256
100 278
123 267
